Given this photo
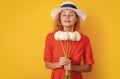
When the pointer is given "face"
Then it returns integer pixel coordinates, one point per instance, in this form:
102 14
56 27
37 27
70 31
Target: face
68 18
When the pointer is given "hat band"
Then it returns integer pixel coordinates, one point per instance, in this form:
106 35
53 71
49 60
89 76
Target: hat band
69 5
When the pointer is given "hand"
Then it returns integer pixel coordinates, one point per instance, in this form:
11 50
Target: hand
64 61
68 66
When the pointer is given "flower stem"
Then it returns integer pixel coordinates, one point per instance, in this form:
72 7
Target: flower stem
67 74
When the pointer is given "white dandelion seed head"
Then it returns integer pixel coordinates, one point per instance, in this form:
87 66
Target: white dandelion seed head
78 36
64 36
57 34
72 36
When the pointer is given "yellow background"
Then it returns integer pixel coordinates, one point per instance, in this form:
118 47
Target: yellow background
24 25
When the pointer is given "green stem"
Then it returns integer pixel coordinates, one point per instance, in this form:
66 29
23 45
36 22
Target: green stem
67 74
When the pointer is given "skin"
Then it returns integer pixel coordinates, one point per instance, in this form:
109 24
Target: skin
68 19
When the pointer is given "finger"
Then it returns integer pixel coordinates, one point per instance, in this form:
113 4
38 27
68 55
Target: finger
63 62
63 57
67 67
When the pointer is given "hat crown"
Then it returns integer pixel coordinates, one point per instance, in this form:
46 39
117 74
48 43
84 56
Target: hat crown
68 4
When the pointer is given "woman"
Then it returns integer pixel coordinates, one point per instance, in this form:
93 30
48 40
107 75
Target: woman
65 47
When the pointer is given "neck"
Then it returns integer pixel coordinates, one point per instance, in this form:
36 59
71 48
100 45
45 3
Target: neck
69 29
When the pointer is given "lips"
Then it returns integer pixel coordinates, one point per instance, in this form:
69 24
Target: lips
66 21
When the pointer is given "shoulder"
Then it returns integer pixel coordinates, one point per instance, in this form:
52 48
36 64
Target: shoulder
50 35
84 37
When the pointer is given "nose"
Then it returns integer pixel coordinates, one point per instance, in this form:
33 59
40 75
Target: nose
67 16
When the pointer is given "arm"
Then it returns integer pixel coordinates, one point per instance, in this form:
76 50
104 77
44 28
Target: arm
51 65
78 68
81 68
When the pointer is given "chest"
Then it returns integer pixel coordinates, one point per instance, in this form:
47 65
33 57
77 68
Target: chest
76 49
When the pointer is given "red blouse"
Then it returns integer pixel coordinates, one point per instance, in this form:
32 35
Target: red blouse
53 51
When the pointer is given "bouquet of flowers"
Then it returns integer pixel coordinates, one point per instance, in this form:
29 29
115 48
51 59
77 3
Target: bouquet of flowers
66 39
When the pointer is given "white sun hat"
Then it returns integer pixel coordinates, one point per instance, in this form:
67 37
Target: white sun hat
69 5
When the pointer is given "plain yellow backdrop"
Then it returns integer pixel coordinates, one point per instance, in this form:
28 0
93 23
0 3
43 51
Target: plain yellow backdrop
24 25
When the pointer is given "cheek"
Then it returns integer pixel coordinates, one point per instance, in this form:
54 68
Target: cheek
61 20
73 20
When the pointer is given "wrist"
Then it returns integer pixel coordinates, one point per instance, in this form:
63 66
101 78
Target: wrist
72 67
57 65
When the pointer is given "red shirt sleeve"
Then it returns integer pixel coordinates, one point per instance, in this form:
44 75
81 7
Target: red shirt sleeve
48 51
87 54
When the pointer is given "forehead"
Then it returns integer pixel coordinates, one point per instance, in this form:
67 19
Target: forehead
67 11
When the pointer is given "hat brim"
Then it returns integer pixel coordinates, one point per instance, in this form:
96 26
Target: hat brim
80 13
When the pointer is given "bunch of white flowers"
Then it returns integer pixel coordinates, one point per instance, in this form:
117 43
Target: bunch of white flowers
63 36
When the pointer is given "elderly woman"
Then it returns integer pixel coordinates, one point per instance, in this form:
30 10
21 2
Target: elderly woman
65 47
